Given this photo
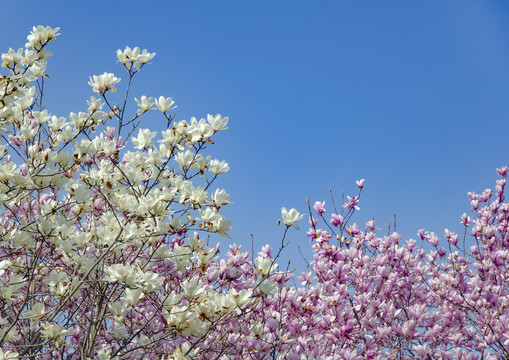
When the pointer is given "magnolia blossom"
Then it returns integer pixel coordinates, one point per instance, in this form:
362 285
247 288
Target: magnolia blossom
41 36
57 123
336 220
220 198
37 312
165 104
102 83
118 309
291 217
319 207
8 355
134 57
217 122
143 139
352 203
134 295
12 58
218 167
185 159
145 104
265 265
53 331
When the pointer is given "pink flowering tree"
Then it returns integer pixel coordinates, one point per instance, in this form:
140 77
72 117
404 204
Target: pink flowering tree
106 248
368 296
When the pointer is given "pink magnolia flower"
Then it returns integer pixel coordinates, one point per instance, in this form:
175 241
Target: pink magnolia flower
319 207
336 220
352 203
503 171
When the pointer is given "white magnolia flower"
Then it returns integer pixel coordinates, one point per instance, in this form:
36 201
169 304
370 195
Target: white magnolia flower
57 123
205 257
192 288
291 217
310 357
256 330
217 167
133 296
121 273
198 195
143 340
27 99
118 309
67 133
119 331
199 130
181 351
4 264
182 257
28 132
196 243
242 297
165 104
179 316
104 355
94 104
109 147
79 192
266 287
217 122
32 57
221 226
172 300
41 35
7 170
102 83
56 278
226 303
41 116
265 265
150 281
15 57
37 312
38 68
53 331
209 215
184 159
144 138
170 137
201 162
8 355
220 198
145 104
130 58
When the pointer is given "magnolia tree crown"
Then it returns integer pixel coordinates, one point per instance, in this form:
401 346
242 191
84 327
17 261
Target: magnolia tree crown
103 249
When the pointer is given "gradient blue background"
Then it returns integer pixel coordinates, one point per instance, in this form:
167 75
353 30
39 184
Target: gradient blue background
411 95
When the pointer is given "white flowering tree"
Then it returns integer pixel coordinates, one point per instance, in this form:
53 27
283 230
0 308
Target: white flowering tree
103 251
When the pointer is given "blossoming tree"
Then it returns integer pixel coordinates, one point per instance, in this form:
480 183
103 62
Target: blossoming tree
105 248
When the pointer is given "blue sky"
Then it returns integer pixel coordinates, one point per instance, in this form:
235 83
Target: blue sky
413 96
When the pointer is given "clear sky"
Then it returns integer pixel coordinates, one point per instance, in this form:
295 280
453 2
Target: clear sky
413 96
